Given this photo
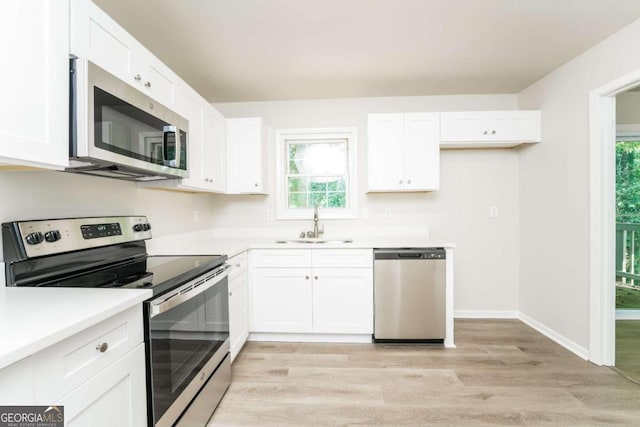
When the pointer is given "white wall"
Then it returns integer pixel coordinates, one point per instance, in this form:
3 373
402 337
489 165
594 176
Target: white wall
554 187
471 181
44 195
628 108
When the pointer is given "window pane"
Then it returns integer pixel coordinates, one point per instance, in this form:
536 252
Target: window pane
318 158
317 184
297 200
337 200
318 199
336 184
297 185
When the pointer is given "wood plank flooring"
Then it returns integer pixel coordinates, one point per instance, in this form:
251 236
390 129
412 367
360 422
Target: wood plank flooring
501 373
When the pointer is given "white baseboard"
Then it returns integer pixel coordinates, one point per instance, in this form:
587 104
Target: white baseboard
283 337
628 314
553 335
486 314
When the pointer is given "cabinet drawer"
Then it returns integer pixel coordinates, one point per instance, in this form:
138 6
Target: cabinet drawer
280 258
238 265
73 361
334 258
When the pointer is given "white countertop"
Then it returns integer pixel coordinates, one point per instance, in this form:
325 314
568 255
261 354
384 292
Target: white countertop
32 319
196 243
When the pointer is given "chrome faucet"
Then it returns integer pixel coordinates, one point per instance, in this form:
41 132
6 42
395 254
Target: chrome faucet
316 231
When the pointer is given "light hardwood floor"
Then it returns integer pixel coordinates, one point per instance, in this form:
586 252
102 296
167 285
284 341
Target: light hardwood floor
501 373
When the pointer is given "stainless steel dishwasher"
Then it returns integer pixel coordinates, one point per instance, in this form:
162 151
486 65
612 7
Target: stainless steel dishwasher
409 295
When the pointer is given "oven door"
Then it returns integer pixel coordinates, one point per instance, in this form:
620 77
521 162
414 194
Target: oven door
187 338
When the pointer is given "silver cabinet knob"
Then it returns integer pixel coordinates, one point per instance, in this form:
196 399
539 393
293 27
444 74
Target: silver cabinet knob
400 182
102 347
493 132
306 277
315 277
256 184
147 84
486 132
137 77
408 181
230 294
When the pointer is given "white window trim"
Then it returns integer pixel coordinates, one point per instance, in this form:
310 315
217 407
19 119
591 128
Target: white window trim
348 133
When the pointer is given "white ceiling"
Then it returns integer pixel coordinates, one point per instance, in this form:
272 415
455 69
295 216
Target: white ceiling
256 50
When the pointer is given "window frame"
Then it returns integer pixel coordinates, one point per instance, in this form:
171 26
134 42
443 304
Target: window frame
283 212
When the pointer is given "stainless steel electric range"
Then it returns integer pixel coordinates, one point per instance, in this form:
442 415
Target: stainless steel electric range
186 320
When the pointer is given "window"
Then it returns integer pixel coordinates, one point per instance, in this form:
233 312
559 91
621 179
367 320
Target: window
316 167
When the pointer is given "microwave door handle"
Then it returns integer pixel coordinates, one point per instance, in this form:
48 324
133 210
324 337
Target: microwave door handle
166 131
165 303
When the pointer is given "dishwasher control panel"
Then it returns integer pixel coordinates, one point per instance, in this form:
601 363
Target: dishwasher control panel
410 253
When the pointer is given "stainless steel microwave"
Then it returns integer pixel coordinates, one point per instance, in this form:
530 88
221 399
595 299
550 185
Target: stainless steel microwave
116 131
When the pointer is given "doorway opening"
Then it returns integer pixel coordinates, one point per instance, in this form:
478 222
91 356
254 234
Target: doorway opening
627 205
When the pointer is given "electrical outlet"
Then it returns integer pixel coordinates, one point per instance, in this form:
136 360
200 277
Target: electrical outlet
269 214
387 213
493 211
195 216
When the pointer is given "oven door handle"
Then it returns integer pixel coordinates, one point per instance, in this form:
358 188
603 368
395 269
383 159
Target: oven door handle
186 292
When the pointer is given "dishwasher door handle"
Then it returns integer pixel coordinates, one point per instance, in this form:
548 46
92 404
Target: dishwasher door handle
410 255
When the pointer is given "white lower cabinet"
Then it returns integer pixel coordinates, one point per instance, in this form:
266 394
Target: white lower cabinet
98 375
312 298
114 397
282 300
342 300
238 304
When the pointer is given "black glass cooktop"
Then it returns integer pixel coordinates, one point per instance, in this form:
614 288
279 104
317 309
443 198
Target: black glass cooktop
159 273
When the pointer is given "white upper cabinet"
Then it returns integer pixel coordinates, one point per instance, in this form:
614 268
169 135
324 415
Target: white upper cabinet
403 152
97 37
34 66
245 156
489 128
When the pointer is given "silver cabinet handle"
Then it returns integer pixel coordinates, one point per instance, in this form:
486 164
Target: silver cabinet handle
147 84
137 77
102 347
230 294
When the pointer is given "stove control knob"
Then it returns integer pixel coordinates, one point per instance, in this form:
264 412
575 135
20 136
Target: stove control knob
138 228
34 238
52 236
147 226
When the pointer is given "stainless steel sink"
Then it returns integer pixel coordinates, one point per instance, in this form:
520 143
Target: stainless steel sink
330 241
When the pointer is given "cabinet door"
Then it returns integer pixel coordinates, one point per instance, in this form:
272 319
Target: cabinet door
238 313
97 37
422 151
214 149
281 300
244 156
464 126
343 300
114 397
385 152
34 66
521 126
